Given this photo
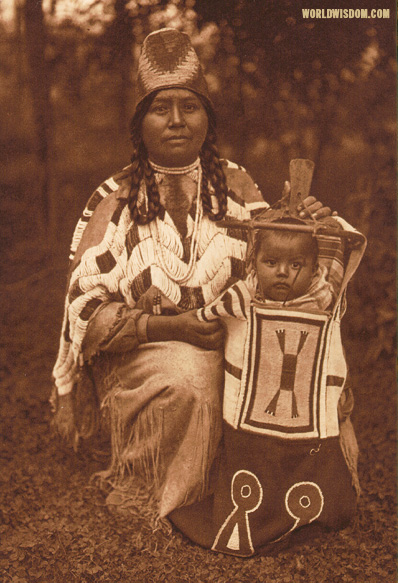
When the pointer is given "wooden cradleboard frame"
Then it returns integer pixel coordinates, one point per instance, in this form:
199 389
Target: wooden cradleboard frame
301 172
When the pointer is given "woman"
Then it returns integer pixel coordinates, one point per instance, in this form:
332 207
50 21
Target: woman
145 255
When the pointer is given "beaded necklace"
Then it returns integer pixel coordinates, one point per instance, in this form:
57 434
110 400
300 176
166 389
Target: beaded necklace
179 170
177 272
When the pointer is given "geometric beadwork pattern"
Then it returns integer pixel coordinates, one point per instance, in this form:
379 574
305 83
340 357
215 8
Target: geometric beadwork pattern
282 374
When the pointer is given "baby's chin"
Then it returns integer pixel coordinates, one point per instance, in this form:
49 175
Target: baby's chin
281 297
280 293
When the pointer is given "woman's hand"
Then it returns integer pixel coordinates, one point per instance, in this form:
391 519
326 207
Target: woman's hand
313 207
186 328
310 206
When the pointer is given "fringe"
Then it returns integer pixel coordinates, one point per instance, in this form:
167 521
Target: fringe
110 414
145 443
76 414
85 403
135 452
137 457
134 498
64 420
206 420
349 446
182 488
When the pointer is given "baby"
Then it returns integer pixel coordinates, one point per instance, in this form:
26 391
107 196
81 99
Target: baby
285 273
286 270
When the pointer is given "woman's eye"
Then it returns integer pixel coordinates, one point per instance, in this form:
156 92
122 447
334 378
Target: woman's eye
159 109
189 107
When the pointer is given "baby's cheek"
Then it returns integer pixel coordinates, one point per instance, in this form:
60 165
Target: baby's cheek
303 282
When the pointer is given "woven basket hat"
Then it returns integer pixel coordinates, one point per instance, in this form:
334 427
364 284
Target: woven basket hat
169 60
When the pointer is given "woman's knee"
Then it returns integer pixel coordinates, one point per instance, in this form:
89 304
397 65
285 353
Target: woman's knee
193 365
186 392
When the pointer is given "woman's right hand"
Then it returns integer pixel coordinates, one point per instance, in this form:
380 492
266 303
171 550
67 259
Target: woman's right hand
186 328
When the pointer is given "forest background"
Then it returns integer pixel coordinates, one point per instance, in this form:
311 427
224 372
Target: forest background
283 87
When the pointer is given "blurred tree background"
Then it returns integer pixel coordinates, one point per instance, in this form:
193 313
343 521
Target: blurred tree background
283 87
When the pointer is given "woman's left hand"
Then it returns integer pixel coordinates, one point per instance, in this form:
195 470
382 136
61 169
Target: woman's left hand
313 207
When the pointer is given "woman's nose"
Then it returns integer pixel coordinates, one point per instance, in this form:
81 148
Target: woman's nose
176 116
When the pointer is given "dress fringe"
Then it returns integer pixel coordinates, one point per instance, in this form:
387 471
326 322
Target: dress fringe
64 420
206 420
135 451
350 451
138 455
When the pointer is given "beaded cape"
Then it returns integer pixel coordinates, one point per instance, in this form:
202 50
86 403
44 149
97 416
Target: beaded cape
114 259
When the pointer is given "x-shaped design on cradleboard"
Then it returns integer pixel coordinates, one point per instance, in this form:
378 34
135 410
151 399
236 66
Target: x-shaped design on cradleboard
288 374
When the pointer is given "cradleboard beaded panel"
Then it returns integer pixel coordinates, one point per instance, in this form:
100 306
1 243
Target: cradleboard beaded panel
280 409
291 388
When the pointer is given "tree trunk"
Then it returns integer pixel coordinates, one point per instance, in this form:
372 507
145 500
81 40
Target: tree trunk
35 43
122 37
18 38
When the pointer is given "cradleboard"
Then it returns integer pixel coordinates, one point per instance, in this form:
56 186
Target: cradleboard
284 464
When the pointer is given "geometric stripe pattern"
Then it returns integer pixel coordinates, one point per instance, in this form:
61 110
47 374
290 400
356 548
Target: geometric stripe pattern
331 256
102 191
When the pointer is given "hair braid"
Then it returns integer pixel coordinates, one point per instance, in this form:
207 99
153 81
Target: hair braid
136 177
205 193
142 170
152 192
213 172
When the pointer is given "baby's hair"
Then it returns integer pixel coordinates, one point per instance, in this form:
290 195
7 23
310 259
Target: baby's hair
262 234
141 169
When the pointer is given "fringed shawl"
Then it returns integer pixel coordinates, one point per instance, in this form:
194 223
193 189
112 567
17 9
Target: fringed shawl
114 259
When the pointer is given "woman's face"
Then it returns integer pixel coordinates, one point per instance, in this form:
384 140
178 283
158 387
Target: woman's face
175 127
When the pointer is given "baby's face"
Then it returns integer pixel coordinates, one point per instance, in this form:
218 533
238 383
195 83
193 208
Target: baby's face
285 267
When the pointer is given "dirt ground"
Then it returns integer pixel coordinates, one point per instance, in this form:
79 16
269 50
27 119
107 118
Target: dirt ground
54 522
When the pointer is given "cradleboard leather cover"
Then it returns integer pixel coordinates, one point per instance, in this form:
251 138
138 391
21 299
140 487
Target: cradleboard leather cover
282 465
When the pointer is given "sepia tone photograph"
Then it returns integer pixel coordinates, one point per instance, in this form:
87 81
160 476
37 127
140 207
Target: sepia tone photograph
206 188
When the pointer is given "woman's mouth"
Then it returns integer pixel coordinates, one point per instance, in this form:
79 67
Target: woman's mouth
177 139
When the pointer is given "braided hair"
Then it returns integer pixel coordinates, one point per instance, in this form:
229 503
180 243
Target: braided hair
140 169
